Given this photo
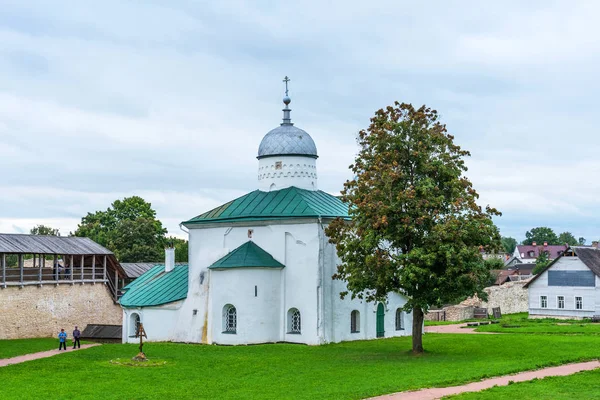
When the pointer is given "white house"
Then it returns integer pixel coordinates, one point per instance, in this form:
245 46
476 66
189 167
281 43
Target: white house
569 286
260 266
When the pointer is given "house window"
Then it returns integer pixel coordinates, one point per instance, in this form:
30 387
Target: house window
543 301
399 318
579 303
294 321
531 254
560 300
229 319
354 321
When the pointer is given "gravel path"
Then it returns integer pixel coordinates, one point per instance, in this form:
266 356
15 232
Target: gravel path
456 328
42 354
436 393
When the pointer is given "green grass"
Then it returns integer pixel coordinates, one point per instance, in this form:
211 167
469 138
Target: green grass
583 385
438 323
352 370
519 323
13 348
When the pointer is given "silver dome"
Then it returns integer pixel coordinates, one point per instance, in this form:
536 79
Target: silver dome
287 140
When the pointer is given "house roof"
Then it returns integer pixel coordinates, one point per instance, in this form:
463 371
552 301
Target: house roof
590 256
248 255
286 203
135 270
522 268
156 287
554 251
39 244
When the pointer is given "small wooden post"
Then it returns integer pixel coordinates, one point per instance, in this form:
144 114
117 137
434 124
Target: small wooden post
72 267
3 262
56 267
82 266
41 271
94 268
34 259
21 267
116 285
104 269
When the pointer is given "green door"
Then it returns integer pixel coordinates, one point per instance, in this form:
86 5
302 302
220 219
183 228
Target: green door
380 314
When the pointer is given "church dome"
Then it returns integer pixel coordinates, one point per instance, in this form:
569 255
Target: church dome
287 140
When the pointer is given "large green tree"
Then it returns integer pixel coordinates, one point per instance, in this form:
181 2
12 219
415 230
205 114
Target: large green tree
567 238
416 227
540 235
181 248
509 244
129 228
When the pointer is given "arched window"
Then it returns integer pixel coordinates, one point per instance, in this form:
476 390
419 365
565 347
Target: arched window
399 319
134 324
294 321
354 321
229 319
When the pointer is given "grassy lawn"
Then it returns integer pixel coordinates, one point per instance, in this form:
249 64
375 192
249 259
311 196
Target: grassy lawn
352 370
584 385
519 323
13 348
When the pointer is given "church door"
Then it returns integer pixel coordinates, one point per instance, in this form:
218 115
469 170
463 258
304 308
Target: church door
380 315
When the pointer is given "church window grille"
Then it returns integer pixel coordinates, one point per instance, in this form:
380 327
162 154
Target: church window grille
399 320
229 319
135 323
278 165
354 321
294 321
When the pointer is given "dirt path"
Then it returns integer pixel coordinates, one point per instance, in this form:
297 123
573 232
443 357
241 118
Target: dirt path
436 393
42 354
456 328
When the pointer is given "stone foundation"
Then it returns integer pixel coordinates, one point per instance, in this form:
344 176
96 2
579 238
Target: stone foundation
34 311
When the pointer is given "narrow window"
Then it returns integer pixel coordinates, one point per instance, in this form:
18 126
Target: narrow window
354 321
134 325
255 291
229 319
294 321
399 317
561 301
277 164
579 303
543 301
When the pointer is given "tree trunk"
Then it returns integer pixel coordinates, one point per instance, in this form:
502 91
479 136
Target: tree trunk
417 330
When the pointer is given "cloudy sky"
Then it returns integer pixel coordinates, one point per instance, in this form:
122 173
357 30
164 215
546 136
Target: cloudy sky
169 100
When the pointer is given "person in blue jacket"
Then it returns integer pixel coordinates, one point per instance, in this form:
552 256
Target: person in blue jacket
62 340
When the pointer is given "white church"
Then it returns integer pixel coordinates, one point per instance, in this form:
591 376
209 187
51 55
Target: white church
260 266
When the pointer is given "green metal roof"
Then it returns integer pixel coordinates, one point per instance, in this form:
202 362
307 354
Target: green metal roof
248 255
286 203
156 287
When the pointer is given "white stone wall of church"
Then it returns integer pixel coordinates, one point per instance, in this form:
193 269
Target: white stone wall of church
294 245
159 322
255 293
340 310
280 172
539 287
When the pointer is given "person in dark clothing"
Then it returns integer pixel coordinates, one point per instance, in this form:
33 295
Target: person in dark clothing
62 340
76 336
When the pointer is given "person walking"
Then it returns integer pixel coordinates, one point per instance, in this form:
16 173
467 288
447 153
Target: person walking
76 336
62 340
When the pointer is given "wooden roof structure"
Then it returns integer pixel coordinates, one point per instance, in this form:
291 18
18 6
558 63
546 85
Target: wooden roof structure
75 260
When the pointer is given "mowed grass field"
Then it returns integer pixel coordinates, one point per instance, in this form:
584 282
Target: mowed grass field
13 348
352 370
519 323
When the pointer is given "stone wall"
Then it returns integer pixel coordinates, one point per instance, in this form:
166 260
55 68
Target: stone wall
34 311
459 313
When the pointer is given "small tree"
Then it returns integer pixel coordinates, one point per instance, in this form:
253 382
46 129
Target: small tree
416 227
540 263
509 244
540 235
44 230
567 238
